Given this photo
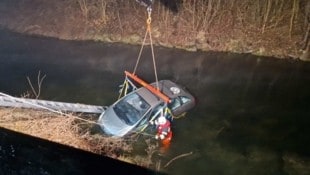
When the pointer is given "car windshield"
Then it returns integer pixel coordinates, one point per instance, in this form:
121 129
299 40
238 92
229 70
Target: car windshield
131 109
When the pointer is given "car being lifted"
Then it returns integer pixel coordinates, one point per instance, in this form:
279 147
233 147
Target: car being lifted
133 112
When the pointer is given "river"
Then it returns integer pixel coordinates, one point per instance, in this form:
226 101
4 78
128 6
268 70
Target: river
252 112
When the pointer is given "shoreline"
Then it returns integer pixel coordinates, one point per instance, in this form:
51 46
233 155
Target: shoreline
126 23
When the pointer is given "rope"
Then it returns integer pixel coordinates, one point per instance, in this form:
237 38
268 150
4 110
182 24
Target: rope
148 31
124 89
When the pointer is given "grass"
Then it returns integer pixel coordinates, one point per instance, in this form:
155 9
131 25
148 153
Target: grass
234 26
74 133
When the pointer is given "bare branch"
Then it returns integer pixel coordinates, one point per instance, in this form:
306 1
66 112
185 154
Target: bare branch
177 157
39 84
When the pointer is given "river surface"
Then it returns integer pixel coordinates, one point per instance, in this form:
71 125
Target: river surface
252 114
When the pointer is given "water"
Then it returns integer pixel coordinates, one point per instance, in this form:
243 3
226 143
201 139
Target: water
252 114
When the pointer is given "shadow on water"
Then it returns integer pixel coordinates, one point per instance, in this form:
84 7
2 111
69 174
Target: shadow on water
252 114
23 154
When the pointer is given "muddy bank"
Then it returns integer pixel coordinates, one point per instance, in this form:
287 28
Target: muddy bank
229 27
69 130
24 154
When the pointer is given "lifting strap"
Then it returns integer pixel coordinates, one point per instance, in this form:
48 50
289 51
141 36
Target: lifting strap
148 32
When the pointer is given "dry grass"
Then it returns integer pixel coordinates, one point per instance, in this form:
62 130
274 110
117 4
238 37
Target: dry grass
247 26
69 131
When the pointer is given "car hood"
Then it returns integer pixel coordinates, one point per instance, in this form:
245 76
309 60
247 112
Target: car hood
112 124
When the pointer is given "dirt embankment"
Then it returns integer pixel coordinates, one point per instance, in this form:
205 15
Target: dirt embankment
264 27
69 130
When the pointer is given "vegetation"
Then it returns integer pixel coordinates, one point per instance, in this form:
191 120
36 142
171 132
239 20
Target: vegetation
70 131
277 28
76 130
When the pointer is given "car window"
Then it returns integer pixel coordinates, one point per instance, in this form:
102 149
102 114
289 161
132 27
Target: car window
131 108
175 103
185 99
178 101
155 112
145 120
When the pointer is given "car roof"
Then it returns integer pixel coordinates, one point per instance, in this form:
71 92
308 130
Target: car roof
165 86
149 97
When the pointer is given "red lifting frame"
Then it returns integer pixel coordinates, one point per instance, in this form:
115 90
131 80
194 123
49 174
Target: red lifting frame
148 86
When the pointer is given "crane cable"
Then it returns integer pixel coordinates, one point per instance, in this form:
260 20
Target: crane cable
148 32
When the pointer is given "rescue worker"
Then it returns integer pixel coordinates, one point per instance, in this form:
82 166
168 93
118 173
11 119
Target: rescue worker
164 132
163 127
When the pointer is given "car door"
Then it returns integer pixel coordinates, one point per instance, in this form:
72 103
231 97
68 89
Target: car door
151 115
180 104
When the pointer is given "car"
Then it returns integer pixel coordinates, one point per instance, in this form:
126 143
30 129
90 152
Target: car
133 112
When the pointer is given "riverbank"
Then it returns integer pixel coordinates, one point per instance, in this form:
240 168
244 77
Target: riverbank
69 130
213 26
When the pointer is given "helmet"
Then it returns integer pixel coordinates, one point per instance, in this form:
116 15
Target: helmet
162 120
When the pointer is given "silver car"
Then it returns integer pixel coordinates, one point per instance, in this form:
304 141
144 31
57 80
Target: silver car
133 112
